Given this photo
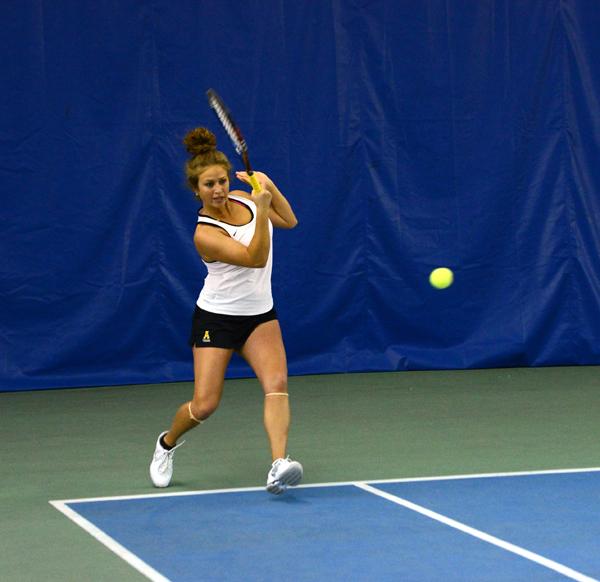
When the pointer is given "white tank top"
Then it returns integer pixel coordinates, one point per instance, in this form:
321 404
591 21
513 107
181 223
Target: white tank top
233 290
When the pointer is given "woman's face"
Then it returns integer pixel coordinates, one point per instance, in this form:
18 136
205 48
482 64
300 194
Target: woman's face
213 186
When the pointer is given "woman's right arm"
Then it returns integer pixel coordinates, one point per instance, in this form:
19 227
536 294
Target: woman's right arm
213 244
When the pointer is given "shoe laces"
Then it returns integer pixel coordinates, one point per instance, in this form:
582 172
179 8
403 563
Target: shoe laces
278 462
281 460
167 456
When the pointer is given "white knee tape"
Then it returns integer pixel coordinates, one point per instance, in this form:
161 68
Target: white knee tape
277 394
192 417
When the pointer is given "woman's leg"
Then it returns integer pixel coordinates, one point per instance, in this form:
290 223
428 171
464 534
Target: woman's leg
209 373
210 365
265 353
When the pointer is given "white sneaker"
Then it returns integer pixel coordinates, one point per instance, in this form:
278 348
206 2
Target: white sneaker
283 473
161 467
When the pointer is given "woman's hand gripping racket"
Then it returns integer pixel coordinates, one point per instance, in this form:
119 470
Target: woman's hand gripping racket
233 130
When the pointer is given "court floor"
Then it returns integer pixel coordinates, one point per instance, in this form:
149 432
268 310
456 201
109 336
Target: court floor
522 526
380 498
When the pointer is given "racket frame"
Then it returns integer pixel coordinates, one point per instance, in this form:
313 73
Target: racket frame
233 131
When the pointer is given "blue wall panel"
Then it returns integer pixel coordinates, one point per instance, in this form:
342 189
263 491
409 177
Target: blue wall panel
406 135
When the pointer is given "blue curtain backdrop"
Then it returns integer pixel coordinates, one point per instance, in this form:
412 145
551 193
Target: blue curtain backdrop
407 135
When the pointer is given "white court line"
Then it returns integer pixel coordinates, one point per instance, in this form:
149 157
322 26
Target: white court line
110 543
490 539
330 484
487 475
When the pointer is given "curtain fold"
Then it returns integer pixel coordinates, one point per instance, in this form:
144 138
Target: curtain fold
407 136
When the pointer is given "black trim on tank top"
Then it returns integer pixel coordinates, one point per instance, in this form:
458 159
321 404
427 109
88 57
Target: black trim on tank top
230 223
215 225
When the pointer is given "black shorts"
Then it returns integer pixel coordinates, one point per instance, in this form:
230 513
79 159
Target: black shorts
215 330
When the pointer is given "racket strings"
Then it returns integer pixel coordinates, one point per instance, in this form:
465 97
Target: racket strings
239 144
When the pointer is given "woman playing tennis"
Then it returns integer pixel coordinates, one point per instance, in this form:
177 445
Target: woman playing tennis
234 311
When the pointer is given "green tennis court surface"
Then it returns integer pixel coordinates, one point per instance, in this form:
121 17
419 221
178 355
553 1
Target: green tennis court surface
92 443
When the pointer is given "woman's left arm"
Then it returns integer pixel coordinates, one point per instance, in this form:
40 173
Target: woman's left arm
281 213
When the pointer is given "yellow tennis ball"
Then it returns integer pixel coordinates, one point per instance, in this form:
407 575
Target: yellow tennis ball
441 278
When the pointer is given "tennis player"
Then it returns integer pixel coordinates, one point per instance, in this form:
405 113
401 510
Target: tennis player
234 311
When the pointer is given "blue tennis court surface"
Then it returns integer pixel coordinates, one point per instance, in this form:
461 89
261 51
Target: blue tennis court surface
537 526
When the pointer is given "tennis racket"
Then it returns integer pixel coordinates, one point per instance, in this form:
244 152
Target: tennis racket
233 131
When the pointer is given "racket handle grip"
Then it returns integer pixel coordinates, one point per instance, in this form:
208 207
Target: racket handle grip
254 183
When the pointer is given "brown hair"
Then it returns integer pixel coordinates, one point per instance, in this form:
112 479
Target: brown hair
201 143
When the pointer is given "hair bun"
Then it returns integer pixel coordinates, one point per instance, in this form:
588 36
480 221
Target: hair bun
200 141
